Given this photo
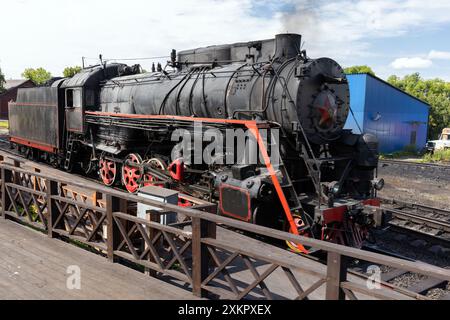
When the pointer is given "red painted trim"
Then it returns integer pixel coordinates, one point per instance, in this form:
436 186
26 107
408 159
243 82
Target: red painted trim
249 212
168 117
32 104
372 202
336 214
34 144
178 174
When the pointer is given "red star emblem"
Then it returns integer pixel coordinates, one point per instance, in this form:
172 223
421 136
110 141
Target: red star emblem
326 112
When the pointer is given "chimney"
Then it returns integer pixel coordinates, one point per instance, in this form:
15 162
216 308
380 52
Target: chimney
287 45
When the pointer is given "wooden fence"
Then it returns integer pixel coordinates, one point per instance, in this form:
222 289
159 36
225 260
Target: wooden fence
188 251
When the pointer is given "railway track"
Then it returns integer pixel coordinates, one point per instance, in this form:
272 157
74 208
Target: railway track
431 223
421 222
411 284
414 163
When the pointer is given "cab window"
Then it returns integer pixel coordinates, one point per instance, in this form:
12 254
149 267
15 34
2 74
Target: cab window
73 98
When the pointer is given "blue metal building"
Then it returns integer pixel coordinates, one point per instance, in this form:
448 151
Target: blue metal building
395 117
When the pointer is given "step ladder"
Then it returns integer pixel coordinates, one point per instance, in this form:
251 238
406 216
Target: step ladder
311 162
288 189
291 195
69 153
313 167
284 189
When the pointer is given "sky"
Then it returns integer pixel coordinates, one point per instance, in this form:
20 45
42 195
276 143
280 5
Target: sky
392 36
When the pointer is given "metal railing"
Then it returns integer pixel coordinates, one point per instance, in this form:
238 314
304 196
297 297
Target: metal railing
188 250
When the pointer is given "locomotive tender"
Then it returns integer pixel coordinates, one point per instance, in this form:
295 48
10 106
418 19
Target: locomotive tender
115 121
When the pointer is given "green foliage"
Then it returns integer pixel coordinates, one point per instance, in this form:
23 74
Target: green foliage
69 72
436 92
411 149
407 152
2 81
359 69
437 156
38 76
33 210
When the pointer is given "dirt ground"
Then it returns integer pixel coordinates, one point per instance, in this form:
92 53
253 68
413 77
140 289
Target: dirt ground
416 188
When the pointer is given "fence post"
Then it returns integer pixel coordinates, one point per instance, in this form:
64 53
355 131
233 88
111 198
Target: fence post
153 217
200 257
6 200
17 174
96 197
52 209
36 184
336 273
113 204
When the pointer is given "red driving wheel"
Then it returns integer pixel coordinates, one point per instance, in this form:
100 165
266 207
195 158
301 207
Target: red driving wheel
108 171
131 175
149 179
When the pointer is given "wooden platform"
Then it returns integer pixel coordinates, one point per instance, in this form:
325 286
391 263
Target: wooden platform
33 266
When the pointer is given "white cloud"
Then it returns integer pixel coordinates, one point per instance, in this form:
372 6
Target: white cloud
54 34
345 28
439 55
411 63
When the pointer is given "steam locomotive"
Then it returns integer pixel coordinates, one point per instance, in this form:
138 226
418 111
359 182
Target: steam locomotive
117 122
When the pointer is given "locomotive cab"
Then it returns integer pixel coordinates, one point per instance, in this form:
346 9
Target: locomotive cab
81 93
74 107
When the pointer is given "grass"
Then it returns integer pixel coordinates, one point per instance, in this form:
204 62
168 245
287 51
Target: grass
437 156
412 152
407 152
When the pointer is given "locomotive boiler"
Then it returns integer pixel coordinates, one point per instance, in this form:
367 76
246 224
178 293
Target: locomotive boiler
117 122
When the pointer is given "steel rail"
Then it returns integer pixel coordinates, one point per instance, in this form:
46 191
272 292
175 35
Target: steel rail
412 163
416 218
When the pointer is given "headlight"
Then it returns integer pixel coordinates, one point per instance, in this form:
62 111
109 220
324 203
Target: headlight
378 184
334 187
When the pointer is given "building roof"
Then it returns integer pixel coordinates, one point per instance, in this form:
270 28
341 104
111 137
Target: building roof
9 84
390 85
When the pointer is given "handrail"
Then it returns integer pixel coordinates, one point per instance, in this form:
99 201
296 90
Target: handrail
268 232
200 225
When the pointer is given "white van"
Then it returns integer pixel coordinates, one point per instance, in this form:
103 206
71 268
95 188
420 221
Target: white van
442 143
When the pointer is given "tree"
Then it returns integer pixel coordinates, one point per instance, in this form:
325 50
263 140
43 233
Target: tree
2 81
359 69
38 76
435 92
69 72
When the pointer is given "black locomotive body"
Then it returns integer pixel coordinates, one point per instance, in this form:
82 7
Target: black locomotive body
117 122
